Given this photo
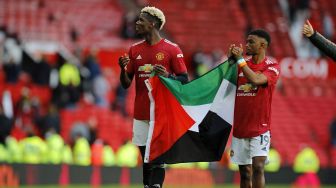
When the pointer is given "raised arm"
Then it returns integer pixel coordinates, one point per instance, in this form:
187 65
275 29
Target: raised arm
323 44
125 77
253 77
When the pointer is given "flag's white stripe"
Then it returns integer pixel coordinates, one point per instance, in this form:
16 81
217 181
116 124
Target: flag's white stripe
223 105
224 101
151 122
197 113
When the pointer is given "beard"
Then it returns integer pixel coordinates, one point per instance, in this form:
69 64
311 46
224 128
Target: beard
141 32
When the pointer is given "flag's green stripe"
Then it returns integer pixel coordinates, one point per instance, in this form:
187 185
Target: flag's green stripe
202 90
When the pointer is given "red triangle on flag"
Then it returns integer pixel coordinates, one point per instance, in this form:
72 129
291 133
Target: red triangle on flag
167 129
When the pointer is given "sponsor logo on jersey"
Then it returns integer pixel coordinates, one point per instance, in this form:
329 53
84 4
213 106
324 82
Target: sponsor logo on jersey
247 90
144 75
146 68
159 56
247 87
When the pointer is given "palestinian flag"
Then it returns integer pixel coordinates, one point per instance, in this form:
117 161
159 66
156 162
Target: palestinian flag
191 122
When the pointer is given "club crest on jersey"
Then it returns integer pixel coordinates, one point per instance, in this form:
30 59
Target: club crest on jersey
146 68
159 56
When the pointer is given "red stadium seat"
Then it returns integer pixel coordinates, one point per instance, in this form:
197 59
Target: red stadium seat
197 15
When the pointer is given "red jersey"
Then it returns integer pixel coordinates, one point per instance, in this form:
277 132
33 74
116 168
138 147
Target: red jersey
142 58
253 103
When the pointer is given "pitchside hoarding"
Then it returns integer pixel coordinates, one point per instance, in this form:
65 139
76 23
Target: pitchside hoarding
293 68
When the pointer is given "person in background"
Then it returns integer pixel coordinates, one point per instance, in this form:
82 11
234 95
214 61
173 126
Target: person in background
34 149
79 128
41 71
6 124
127 155
322 43
49 121
307 164
67 157
120 101
14 150
97 152
81 151
55 145
274 162
3 153
67 93
92 124
333 132
109 158
12 71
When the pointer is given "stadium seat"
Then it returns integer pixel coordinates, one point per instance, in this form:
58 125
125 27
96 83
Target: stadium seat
31 22
197 15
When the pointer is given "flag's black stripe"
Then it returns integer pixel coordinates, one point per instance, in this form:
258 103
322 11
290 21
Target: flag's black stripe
207 145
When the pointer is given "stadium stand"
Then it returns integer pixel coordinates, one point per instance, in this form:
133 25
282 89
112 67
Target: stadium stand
54 21
211 25
299 121
112 127
267 14
317 11
301 113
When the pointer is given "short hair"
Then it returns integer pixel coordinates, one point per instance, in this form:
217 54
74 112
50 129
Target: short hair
261 33
156 13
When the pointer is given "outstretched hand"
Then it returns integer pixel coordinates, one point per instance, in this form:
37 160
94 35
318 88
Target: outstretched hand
308 29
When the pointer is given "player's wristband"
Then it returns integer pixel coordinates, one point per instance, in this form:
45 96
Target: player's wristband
241 62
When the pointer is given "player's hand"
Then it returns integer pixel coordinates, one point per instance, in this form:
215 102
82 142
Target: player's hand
229 53
237 51
308 29
123 61
160 70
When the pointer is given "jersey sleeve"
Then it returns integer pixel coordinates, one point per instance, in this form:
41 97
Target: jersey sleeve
178 64
130 66
272 73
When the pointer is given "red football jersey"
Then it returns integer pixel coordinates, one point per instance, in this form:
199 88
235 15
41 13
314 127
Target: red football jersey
142 59
253 103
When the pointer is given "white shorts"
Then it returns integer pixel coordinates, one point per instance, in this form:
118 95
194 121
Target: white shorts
244 149
140 132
